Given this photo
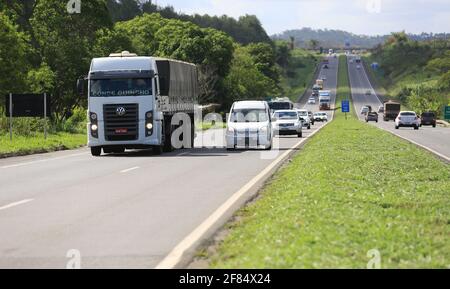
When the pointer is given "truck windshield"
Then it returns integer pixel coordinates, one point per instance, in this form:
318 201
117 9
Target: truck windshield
120 87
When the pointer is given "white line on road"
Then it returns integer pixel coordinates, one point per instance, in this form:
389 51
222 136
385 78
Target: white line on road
41 161
129 170
15 204
176 255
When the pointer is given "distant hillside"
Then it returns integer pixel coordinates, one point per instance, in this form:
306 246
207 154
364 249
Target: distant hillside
329 38
338 38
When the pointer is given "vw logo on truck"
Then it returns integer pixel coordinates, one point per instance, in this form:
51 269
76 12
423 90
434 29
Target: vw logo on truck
121 111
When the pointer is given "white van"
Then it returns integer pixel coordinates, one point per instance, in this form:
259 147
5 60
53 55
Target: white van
249 126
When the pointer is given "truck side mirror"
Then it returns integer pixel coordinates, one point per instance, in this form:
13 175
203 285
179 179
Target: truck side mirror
80 86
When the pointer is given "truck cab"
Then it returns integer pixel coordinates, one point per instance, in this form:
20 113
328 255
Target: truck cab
132 100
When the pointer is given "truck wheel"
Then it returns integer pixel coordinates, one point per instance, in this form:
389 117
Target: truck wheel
309 126
300 135
416 127
96 151
434 125
396 127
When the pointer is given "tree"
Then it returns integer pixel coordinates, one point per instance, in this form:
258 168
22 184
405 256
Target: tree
245 81
313 44
65 44
13 49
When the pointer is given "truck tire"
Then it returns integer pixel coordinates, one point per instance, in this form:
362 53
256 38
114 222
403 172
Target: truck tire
167 141
96 151
300 135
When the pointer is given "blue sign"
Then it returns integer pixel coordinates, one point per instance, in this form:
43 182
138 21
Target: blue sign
345 106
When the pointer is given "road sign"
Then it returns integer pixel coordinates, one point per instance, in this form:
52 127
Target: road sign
447 112
28 105
345 106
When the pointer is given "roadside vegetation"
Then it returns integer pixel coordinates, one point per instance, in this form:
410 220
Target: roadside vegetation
299 72
352 189
415 73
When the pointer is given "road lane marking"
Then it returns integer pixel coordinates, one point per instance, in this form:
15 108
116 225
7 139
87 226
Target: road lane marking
16 204
175 256
41 161
129 170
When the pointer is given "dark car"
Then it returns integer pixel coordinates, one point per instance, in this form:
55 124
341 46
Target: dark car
325 66
372 116
428 118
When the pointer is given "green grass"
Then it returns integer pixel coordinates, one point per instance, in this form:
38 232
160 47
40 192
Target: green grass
299 74
353 188
24 145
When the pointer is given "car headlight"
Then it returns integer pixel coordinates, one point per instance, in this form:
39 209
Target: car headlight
94 127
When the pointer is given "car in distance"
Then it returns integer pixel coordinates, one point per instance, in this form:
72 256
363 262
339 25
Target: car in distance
312 100
365 110
325 67
358 66
368 92
407 119
249 125
323 78
381 109
321 116
303 115
428 118
287 122
372 116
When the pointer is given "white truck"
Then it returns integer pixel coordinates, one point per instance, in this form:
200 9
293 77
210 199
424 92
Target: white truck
140 102
325 100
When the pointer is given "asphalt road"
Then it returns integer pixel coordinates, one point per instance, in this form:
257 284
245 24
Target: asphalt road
117 211
435 139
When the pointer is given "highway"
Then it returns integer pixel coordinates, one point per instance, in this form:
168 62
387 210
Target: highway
436 140
122 211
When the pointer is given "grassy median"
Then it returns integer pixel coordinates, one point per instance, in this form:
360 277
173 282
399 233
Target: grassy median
353 188
24 145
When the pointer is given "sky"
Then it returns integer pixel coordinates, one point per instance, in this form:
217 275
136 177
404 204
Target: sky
369 17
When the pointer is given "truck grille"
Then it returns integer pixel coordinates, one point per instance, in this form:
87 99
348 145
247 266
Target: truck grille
121 128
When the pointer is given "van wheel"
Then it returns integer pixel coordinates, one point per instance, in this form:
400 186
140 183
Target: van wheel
96 151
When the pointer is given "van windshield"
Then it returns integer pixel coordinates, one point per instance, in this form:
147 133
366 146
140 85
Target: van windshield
120 87
249 115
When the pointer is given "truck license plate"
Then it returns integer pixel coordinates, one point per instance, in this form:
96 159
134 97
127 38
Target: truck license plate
121 131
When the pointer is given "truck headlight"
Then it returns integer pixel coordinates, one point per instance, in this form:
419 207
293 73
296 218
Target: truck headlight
94 127
94 116
149 126
148 123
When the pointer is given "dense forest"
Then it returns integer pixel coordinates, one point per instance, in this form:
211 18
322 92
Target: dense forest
415 72
247 29
44 48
